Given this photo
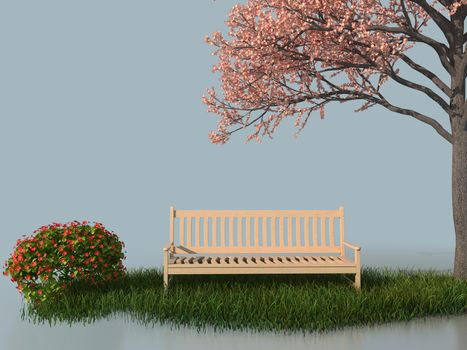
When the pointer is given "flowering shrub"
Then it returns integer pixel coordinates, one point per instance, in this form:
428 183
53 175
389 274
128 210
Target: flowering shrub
48 261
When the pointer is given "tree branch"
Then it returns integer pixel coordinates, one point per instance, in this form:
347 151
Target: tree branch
382 101
433 77
441 49
442 22
362 96
427 91
406 15
254 120
446 3
419 116
390 72
430 93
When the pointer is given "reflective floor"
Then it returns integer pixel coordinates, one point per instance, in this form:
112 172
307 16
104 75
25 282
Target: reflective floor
432 333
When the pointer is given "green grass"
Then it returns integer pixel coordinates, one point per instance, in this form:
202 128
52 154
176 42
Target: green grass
280 303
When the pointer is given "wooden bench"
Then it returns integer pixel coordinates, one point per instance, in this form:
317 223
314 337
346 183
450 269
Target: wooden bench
238 232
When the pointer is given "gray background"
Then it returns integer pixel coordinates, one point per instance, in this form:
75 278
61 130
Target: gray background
101 119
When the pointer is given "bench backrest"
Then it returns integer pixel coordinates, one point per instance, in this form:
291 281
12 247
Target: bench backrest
258 231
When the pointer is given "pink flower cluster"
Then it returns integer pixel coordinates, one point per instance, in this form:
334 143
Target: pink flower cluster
283 56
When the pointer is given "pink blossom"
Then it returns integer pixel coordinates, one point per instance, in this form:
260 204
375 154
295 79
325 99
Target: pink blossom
274 65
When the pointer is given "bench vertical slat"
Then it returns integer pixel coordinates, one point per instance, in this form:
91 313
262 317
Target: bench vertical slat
331 231
323 231
191 236
172 216
197 222
315 231
256 232
223 231
239 231
182 231
231 241
273 231
205 231
248 236
188 236
281 231
214 232
341 228
298 234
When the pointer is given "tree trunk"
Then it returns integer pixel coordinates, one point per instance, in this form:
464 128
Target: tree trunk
459 145
459 169
459 194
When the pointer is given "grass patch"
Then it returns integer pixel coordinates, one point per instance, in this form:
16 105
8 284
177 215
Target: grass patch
280 303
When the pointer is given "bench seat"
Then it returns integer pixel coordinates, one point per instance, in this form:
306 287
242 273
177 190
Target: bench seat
259 261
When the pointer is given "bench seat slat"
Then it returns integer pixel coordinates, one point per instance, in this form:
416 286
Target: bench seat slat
197 260
226 261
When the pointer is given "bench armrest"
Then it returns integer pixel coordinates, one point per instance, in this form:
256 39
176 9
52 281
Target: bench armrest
351 246
167 247
356 250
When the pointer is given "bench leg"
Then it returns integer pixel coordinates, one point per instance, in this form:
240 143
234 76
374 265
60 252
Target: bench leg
357 283
166 279
166 269
359 270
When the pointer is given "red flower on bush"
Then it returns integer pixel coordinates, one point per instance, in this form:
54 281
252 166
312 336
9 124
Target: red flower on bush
40 275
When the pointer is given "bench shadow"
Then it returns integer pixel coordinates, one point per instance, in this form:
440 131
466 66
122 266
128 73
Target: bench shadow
257 281
371 277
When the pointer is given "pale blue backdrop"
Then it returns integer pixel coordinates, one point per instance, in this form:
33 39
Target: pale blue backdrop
101 119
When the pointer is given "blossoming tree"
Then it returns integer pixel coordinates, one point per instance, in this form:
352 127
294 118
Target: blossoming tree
288 58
